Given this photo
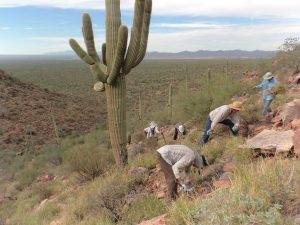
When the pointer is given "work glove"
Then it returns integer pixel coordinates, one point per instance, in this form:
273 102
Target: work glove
235 129
209 132
186 188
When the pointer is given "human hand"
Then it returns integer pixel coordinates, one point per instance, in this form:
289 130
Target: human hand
235 129
209 132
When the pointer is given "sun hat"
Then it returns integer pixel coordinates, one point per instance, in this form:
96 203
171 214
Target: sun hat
236 106
268 76
181 128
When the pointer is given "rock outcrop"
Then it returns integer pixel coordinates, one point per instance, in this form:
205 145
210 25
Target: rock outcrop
272 141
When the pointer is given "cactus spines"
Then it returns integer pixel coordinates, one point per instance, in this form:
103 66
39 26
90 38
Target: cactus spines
109 74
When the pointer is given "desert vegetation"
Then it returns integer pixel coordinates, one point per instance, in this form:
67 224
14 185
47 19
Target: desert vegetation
75 180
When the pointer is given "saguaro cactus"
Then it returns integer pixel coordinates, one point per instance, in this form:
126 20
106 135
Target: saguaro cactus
117 61
170 101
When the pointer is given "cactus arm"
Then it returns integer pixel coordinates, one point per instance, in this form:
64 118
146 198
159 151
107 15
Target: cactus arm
88 34
145 32
120 54
135 39
80 52
113 22
98 73
104 54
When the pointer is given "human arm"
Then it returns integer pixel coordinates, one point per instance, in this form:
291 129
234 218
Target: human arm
221 114
260 85
184 162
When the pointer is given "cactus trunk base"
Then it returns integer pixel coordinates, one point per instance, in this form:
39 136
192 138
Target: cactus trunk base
116 109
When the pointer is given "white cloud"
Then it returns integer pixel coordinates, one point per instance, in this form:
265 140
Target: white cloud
5 28
191 25
228 8
250 37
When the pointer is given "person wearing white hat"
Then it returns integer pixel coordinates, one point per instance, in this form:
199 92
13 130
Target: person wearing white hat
152 131
172 159
179 129
269 82
227 115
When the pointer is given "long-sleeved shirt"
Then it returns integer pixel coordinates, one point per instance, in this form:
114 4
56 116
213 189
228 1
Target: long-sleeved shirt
151 132
267 85
179 157
221 113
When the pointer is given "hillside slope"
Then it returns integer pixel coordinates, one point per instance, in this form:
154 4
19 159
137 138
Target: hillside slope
29 115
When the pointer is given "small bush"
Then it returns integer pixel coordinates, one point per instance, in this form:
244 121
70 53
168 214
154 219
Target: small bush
148 160
103 198
90 161
143 208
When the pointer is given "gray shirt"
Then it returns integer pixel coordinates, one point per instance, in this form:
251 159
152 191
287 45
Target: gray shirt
179 157
221 113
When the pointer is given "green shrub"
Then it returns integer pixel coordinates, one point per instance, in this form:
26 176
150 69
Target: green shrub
145 207
90 161
103 198
148 160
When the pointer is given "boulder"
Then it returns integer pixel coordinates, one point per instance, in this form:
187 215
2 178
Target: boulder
272 141
259 129
160 220
291 111
295 124
294 79
296 142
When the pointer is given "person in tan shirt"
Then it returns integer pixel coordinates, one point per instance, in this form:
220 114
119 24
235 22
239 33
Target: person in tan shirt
227 115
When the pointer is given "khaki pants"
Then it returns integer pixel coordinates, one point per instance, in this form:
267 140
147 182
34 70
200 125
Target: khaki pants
169 176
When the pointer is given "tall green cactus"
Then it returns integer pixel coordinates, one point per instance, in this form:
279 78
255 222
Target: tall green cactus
117 61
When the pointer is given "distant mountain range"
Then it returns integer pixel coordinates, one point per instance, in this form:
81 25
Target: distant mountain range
201 54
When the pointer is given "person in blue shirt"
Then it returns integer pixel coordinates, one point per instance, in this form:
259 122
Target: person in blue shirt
266 85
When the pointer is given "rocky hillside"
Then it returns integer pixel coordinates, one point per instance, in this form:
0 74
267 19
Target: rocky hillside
33 116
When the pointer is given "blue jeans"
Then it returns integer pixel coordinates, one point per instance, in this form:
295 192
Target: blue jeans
226 122
267 108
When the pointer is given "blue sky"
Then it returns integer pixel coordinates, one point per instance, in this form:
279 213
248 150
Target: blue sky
44 26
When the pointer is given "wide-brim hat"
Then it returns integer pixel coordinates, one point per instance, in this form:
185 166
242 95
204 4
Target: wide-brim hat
268 76
181 128
236 106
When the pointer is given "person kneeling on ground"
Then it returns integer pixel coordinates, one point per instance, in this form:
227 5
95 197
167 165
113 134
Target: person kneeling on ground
172 158
152 131
227 115
179 129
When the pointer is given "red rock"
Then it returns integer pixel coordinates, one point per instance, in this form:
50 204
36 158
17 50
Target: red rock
291 111
160 194
295 124
272 141
229 167
160 220
277 124
259 129
296 141
45 178
56 222
276 119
